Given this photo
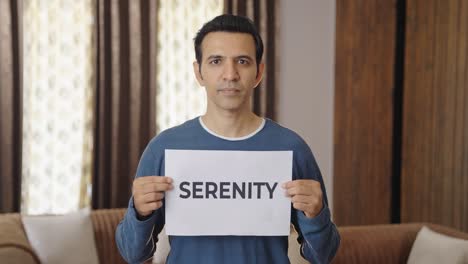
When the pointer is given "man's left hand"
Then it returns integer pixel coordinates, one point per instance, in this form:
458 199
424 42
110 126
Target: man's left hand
306 195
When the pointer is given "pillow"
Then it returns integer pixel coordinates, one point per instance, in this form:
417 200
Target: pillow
162 248
431 247
294 248
62 239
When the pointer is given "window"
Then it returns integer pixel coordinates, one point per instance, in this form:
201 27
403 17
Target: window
58 84
59 80
179 97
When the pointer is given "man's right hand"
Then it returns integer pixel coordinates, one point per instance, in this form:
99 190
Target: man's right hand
148 193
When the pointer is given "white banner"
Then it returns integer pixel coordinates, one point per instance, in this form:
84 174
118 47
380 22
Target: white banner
228 192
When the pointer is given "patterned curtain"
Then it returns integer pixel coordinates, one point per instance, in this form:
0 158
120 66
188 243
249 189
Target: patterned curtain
10 105
59 78
264 15
90 95
179 97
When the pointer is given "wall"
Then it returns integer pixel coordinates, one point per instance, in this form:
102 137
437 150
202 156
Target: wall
401 115
306 77
364 106
434 173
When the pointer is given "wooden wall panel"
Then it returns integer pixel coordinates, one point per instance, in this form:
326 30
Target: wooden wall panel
435 120
364 80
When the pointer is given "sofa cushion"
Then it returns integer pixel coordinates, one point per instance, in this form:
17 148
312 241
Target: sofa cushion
62 239
294 249
14 246
162 248
431 247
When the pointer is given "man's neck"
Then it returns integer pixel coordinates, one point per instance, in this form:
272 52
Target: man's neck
232 124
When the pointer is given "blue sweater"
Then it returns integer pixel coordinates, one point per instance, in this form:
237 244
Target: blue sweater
318 236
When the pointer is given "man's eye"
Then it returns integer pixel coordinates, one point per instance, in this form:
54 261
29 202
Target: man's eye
243 61
216 61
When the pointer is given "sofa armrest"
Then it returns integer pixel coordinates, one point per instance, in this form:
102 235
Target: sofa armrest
383 243
376 243
14 245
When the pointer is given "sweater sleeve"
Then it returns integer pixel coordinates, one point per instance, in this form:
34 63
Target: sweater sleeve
136 239
318 236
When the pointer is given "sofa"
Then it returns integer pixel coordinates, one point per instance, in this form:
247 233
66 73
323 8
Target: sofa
16 249
360 244
384 244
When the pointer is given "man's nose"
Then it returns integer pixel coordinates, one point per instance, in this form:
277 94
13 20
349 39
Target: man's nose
230 72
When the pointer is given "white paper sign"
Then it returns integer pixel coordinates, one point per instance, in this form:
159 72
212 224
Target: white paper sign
228 192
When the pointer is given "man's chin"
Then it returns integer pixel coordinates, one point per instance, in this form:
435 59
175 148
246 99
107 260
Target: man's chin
231 104
230 107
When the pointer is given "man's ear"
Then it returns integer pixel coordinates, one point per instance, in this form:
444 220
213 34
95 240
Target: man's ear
197 71
261 68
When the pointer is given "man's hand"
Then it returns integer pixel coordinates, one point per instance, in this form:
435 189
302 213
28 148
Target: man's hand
306 195
148 192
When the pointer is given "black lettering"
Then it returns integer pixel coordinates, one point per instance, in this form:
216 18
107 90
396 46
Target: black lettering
181 186
271 190
201 190
197 190
212 191
223 190
237 189
259 188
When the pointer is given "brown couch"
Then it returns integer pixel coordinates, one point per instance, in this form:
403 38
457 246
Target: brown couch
15 249
362 244
383 244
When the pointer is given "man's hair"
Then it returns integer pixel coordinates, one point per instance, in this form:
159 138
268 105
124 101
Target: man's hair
229 23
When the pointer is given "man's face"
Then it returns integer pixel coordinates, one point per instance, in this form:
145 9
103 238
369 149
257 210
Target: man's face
228 70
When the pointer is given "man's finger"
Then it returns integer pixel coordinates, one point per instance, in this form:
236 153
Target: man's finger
157 179
301 199
301 206
156 187
149 207
299 190
294 183
162 179
153 197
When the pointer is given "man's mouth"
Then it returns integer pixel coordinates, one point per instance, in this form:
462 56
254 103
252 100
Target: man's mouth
229 91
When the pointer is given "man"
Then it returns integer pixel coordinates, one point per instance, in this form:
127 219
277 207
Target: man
228 64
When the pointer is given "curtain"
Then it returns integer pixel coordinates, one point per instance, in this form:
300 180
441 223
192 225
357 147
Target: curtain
125 96
179 94
263 14
59 71
10 105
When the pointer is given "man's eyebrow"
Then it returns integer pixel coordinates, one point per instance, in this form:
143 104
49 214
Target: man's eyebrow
244 57
211 57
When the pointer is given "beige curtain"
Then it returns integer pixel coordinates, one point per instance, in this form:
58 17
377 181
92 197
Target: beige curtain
264 15
125 96
59 80
10 105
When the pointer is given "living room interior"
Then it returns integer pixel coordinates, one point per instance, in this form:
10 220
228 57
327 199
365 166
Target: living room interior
377 89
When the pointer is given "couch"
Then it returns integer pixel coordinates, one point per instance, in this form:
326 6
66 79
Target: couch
361 244
15 249
384 244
